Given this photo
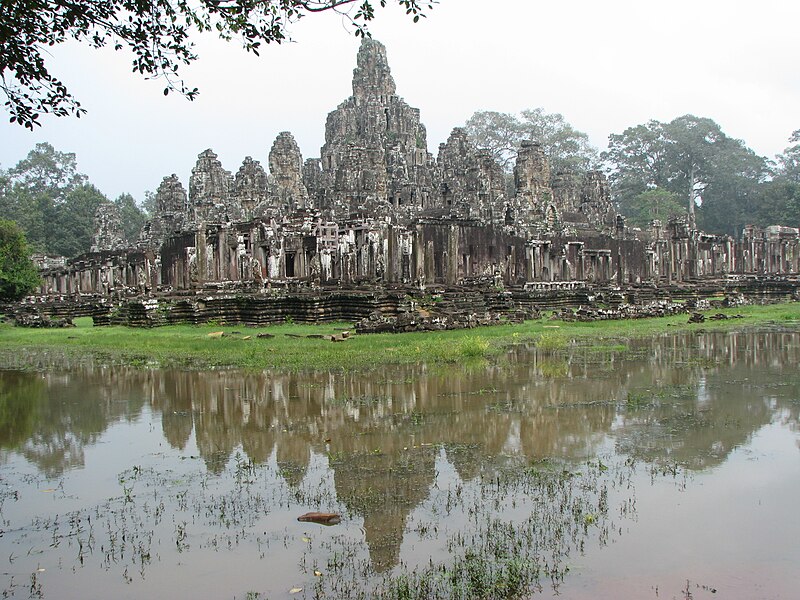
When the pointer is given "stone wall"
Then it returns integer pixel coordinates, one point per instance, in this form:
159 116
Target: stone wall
376 209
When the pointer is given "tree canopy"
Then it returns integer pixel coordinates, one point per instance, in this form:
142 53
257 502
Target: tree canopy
18 274
157 33
691 158
54 205
501 134
789 162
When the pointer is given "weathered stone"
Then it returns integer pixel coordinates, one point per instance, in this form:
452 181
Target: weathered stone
372 78
249 187
287 193
375 153
108 234
171 213
472 184
584 201
210 191
366 231
533 206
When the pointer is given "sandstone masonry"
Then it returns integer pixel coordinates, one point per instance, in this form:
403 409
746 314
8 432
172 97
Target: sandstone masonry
377 209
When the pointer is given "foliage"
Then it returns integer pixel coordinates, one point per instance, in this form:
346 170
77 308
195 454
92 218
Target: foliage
567 148
55 205
474 347
653 204
551 342
131 216
38 185
501 134
18 274
692 158
74 221
156 32
789 161
778 203
498 133
149 204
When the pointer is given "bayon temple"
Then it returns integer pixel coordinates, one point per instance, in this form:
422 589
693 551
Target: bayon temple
377 216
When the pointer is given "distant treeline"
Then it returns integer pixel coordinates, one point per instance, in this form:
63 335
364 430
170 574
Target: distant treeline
655 168
54 205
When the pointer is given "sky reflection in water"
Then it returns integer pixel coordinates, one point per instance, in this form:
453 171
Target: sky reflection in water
204 474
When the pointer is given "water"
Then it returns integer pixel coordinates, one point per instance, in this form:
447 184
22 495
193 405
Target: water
671 470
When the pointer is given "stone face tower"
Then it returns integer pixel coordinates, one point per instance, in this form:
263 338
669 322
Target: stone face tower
286 188
108 234
534 205
250 187
172 206
375 161
210 191
472 184
372 77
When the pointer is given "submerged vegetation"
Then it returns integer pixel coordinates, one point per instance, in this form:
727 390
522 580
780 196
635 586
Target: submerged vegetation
306 347
158 515
475 480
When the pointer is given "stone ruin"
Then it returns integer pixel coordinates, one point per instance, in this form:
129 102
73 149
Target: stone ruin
378 212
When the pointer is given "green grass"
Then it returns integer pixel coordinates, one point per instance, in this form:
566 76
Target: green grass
190 346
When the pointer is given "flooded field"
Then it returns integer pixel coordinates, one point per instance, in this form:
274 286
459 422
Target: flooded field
670 469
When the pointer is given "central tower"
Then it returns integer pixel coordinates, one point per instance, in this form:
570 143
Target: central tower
375 161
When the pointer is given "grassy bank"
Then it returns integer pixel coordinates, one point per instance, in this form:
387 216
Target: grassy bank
192 346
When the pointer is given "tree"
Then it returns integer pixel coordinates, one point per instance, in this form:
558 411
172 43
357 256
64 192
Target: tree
778 203
789 161
653 204
692 158
157 33
567 149
37 186
131 217
149 204
498 133
51 202
74 220
18 274
47 169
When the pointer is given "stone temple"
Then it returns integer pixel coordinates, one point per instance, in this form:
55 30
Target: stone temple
377 224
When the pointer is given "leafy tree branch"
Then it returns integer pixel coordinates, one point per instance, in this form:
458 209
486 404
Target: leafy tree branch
157 32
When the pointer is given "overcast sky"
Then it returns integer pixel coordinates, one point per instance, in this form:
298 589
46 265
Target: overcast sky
605 66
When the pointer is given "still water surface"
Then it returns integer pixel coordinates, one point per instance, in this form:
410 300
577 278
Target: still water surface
669 471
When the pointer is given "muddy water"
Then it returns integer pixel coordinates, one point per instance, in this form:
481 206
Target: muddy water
670 470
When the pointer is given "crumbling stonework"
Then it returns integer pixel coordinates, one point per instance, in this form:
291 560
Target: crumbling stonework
250 188
377 210
472 184
534 206
287 193
375 154
584 202
108 234
172 206
210 192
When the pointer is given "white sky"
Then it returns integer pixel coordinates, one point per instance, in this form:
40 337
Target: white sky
605 66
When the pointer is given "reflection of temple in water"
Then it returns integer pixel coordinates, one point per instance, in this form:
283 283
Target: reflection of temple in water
691 398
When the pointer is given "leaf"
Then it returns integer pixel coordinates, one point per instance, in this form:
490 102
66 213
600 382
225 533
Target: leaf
295 590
